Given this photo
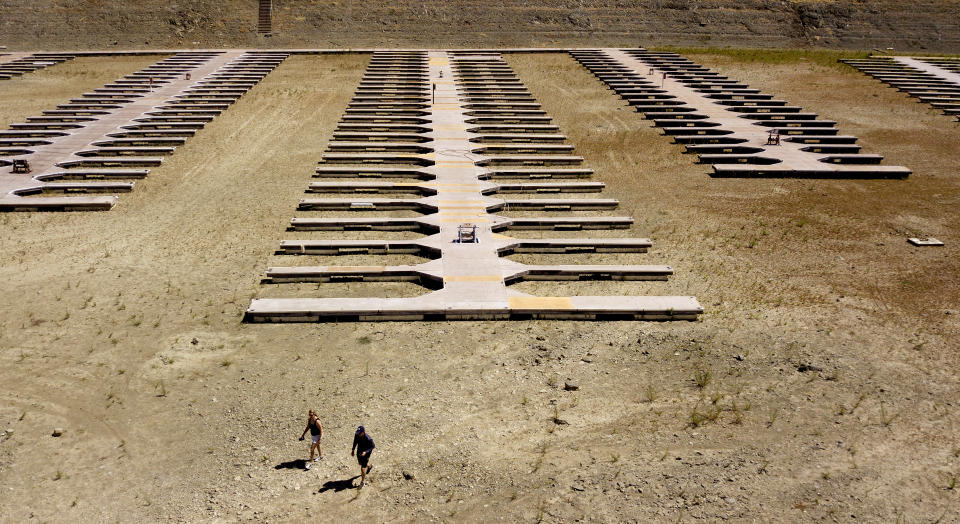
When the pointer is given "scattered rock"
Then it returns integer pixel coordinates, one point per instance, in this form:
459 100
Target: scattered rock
559 421
8 431
570 386
739 358
194 341
408 475
803 368
58 432
577 487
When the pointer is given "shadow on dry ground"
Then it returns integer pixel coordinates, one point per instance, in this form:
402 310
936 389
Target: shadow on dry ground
123 328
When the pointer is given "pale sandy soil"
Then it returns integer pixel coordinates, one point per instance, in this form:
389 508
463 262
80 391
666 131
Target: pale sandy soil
29 94
124 329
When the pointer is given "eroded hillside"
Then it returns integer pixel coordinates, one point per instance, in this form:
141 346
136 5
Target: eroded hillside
932 25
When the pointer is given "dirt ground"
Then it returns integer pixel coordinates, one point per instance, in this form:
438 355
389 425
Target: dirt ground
820 384
30 94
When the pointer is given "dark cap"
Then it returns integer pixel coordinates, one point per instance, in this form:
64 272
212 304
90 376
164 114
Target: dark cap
359 430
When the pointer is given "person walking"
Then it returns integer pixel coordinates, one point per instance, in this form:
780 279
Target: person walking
363 445
316 431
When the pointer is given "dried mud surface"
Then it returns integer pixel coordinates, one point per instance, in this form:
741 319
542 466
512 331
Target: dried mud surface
821 383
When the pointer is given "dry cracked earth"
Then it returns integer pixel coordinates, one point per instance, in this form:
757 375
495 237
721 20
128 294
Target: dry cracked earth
821 384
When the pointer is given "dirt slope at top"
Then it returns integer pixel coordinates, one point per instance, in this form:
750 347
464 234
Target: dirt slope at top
917 25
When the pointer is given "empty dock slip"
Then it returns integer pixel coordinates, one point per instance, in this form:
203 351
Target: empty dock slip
466 133
15 64
935 81
120 131
740 131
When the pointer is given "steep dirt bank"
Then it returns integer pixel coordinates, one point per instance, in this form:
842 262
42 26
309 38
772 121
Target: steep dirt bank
931 25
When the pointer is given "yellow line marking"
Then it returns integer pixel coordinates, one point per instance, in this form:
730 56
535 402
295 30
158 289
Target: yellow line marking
439 60
427 156
474 219
540 303
473 278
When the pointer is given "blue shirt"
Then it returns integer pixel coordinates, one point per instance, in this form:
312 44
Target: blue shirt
363 443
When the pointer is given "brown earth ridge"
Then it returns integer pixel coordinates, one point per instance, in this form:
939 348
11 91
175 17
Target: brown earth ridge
916 25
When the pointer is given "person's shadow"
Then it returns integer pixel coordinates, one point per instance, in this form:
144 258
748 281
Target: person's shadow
338 485
292 464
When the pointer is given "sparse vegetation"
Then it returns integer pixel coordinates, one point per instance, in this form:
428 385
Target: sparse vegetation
449 405
702 378
650 394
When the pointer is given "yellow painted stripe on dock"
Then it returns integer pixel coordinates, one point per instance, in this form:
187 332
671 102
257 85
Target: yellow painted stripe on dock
540 303
473 278
439 60
427 156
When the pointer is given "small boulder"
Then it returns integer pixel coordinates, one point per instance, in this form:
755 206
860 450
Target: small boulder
58 432
570 386
408 475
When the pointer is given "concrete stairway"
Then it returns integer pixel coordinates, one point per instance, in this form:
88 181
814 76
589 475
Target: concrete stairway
265 17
